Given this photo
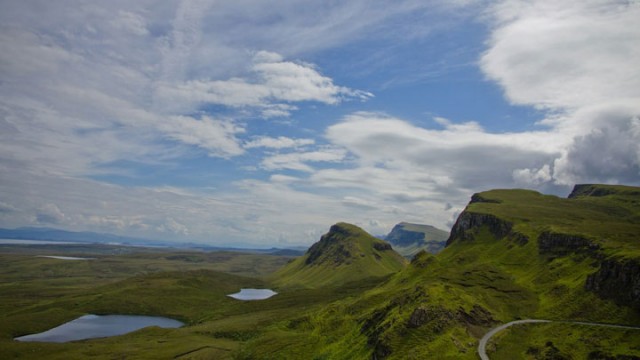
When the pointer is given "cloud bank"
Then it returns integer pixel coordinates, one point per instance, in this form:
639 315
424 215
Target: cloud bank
252 123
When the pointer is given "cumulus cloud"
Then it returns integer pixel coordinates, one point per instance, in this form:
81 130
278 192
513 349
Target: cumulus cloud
578 61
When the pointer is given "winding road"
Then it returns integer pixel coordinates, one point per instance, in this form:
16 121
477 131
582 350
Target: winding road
482 346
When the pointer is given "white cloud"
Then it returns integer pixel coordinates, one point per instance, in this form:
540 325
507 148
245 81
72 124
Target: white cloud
87 85
532 177
565 54
281 142
174 227
271 85
215 136
299 160
578 60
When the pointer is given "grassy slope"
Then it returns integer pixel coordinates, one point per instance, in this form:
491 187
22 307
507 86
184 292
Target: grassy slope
507 279
542 341
345 254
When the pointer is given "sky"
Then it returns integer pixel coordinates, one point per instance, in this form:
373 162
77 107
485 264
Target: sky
262 123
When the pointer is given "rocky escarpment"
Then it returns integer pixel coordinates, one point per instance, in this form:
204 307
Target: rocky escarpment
564 244
618 280
580 190
469 223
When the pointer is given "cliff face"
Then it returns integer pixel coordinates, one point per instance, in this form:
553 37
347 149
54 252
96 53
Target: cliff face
617 280
565 244
469 223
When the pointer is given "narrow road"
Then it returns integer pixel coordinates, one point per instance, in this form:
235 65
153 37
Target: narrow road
482 346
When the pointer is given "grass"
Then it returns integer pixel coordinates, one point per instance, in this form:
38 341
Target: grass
571 341
352 308
345 254
38 294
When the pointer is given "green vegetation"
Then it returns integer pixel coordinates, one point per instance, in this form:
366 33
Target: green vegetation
565 341
513 254
493 271
345 254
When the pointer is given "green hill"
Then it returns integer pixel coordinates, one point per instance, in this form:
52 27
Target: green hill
512 254
345 254
408 239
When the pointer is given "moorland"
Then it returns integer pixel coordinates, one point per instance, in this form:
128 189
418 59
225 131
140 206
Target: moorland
512 254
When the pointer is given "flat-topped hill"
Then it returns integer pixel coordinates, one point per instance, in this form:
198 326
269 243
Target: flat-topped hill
408 238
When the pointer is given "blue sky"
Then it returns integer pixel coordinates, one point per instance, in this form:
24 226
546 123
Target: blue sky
253 123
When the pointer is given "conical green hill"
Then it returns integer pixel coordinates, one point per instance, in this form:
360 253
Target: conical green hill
345 254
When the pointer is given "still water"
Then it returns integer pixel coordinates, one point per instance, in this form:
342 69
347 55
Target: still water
94 326
253 294
64 257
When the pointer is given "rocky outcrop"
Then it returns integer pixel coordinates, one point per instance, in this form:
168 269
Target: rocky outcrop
469 223
382 246
423 315
478 198
564 244
477 316
617 280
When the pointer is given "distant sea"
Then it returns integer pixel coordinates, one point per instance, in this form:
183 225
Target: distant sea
36 242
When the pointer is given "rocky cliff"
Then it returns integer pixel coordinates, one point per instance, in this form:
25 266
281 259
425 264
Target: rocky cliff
565 244
618 280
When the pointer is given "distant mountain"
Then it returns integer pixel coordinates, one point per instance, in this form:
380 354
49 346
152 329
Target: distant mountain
50 234
408 239
346 253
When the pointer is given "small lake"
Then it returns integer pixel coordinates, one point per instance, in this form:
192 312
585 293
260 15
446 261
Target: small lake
253 294
95 326
65 257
